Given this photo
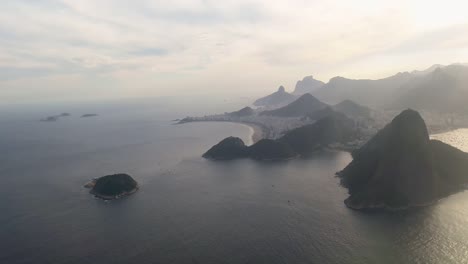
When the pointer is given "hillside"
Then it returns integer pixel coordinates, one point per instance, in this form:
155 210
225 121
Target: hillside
444 90
278 98
304 105
332 129
352 109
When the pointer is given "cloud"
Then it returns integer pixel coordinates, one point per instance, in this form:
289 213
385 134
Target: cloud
179 43
150 52
453 36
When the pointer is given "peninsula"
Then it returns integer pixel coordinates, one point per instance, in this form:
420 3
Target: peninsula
333 131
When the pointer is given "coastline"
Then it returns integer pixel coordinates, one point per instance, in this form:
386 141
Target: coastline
457 138
256 131
113 197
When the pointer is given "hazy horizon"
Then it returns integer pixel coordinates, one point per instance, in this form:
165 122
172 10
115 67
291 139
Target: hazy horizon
87 50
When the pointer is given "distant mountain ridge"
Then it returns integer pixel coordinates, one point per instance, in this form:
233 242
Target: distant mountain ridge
306 104
307 85
374 93
443 90
437 89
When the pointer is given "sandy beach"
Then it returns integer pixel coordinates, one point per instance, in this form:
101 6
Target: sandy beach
256 132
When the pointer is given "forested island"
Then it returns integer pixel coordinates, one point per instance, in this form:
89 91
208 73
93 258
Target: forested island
114 186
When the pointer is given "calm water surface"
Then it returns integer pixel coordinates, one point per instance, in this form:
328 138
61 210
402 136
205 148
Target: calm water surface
190 210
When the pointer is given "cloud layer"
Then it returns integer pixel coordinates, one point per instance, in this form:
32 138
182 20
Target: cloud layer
59 49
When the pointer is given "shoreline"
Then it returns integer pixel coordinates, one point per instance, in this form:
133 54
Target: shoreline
114 197
445 131
257 132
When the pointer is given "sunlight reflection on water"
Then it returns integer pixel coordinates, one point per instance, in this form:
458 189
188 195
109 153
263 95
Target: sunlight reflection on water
457 138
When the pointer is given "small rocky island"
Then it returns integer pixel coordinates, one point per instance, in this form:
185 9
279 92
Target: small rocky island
89 115
401 167
113 186
55 117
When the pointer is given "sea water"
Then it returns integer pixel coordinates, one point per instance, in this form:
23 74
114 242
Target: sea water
191 210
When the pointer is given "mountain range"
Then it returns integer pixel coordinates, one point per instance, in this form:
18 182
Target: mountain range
441 89
307 85
309 106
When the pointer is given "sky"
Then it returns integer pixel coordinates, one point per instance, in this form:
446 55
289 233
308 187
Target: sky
52 50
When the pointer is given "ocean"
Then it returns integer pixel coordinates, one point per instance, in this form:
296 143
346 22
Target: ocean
191 210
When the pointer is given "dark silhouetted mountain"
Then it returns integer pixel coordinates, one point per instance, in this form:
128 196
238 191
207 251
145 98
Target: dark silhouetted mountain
352 109
279 98
246 111
267 149
113 186
228 148
307 85
444 90
234 148
401 167
304 105
335 128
